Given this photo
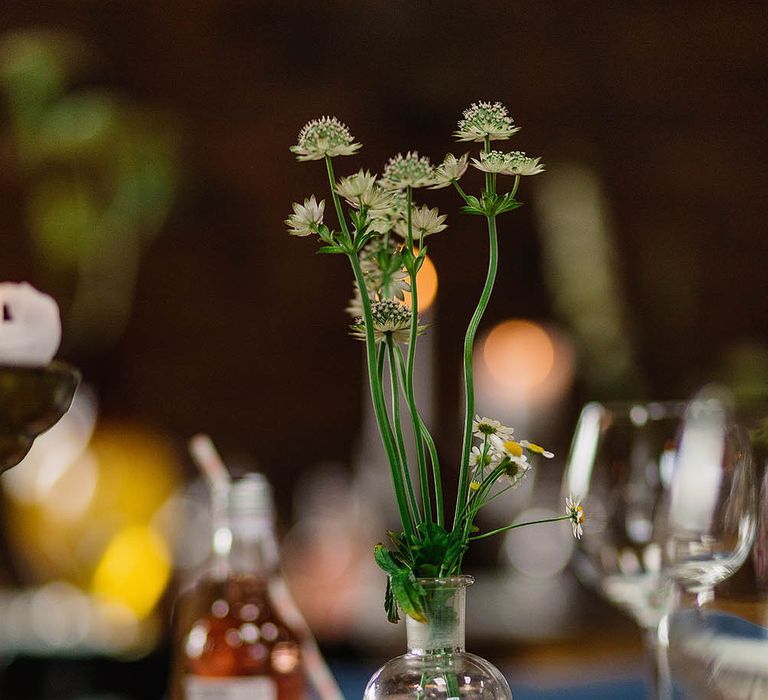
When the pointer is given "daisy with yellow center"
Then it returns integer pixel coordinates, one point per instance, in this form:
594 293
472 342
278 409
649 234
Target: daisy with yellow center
576 515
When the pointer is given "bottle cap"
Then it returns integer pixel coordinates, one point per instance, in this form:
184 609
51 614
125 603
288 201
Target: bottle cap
251 495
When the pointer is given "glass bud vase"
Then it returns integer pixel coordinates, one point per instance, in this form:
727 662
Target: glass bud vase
436 666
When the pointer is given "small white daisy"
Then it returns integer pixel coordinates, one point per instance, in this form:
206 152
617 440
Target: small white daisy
476 458
450 170
424 222
322 137
538 449
518 465
407 170
485 427
576 514
485 119
306 218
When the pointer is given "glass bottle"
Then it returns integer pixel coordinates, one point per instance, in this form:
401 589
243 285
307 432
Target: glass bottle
233 639
436 666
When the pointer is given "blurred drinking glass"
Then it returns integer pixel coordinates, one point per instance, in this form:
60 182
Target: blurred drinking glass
621 464
719 649
710 514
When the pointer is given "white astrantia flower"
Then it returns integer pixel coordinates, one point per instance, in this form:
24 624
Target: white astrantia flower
520 164
576 514
376 199
323 137
390 318
538 449
483 120
485 427
492 162
306 218
407 170
424 222
514 163
354 187
450 170
384 217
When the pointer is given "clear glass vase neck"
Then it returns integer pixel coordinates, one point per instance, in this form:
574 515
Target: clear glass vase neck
444 629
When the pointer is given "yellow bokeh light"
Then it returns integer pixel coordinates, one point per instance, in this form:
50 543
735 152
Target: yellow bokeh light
518 354
426 283
134 570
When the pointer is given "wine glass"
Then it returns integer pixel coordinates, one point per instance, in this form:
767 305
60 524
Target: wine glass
709 515
621 465
711 518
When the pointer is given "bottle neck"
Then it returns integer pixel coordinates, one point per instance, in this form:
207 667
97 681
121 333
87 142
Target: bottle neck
244 544
444 607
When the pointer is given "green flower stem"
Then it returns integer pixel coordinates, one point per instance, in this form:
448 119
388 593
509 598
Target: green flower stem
379 406
411 398
475 501
469 340
435 461
516 525
377 392
461 192
439 507
337 202
516 185
395 383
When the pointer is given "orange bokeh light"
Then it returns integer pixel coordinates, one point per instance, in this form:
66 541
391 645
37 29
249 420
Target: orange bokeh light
519 354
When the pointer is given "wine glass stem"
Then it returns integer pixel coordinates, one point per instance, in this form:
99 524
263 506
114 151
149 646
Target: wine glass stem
657 644
704 597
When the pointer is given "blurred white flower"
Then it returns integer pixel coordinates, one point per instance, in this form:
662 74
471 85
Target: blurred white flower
30 325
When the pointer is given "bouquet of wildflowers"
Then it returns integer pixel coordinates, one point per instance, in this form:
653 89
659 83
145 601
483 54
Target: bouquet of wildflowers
383 232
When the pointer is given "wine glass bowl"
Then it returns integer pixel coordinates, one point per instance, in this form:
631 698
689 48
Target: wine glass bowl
621 464
711 512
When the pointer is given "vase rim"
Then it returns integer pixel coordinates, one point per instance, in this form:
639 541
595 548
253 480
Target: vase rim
460 581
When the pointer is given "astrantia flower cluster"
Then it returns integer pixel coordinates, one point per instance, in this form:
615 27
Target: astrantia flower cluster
424 222
407 170
389 317
382 232
323 137
485 120
514 163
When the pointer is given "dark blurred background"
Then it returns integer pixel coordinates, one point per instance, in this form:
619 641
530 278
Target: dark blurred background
145 176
